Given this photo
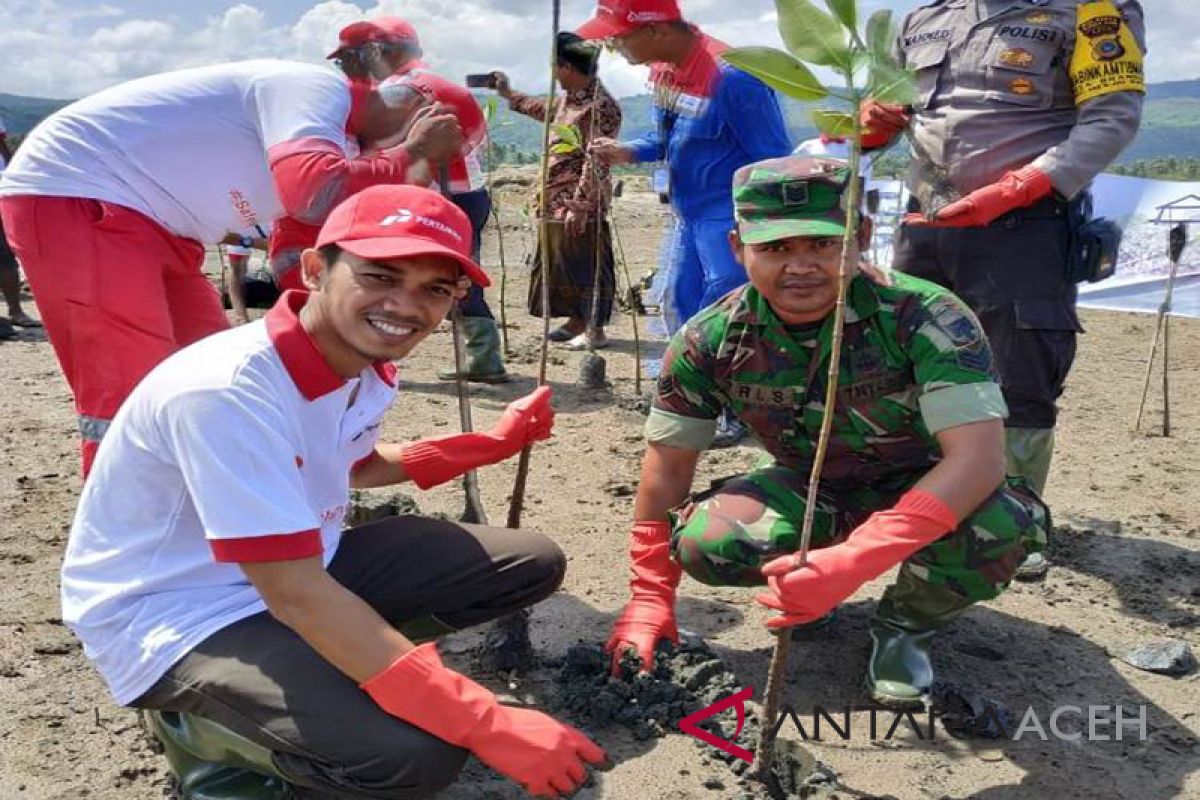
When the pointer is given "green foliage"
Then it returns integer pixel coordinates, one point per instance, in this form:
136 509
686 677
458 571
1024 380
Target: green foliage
1165 168
569 139
891 84
833 40
837 124
812 35
779 70
881 33
845 11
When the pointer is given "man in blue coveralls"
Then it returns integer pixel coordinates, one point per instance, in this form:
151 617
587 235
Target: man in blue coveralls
709 120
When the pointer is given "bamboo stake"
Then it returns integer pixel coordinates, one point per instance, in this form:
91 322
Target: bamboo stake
765 754
1177 240
508 639
224 268
495 215
594 311
1166 378
503 276
633 313
517 503
473 511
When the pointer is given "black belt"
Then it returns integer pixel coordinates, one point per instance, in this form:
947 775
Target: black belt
1051 207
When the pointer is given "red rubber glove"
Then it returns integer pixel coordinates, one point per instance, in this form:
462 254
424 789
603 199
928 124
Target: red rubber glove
1014 190
650 613
834 573
545 756
432 462
881 123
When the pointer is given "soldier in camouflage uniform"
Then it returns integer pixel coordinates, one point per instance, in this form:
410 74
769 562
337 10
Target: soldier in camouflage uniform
914 473
1020 104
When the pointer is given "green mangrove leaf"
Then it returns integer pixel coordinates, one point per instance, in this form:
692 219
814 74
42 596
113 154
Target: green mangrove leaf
812 35
777 69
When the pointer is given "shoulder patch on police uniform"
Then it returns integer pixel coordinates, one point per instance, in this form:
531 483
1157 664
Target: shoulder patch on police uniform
1107 57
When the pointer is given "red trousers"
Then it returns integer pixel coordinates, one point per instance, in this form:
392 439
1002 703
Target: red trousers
117 293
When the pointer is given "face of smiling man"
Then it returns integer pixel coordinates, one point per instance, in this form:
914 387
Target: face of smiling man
387 265
362 311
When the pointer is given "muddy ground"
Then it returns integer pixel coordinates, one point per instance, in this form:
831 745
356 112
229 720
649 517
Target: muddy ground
1126 570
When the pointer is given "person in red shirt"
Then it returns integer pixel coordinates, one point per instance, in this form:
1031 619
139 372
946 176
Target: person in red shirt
388 50
110 201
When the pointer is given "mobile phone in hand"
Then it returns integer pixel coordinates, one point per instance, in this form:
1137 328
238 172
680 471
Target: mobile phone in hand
481 80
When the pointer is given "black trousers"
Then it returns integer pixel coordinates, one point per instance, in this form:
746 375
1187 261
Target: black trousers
327 737
1013 275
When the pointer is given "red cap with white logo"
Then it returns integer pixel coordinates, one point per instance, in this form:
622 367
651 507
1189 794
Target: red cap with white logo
391 30
618 17
390 221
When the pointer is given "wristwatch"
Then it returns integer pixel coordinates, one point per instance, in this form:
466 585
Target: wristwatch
246 241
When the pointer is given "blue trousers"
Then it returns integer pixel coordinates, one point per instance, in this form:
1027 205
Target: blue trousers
702 269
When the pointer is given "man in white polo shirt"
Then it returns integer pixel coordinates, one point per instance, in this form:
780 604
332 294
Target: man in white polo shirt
208 576
109 202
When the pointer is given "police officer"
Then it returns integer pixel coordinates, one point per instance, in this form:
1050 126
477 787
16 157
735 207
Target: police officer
915 468
1019 106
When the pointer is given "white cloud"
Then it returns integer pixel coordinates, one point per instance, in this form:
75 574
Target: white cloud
60 48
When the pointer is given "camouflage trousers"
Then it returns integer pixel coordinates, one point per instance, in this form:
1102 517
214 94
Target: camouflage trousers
724 535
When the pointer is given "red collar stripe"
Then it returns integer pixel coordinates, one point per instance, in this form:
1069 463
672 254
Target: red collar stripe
309 370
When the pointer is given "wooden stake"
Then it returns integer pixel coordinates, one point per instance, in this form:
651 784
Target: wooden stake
765 754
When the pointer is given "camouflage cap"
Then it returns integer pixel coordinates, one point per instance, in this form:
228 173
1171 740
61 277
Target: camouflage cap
791 196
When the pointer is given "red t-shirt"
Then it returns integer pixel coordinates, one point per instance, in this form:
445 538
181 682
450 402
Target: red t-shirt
466 172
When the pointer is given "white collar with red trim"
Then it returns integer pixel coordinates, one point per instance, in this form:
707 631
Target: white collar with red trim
306 365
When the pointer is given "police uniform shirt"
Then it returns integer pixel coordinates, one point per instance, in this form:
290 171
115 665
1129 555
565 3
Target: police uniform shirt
1006 83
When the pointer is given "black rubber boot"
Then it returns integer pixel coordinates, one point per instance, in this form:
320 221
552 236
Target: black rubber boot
211 762
908 616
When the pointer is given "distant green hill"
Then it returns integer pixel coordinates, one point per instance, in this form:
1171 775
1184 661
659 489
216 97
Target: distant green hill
22 113
1170 127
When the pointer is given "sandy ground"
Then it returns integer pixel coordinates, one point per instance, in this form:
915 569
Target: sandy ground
1126 570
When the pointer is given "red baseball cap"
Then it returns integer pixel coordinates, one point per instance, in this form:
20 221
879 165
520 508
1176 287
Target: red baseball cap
397 30
618 17
398 220
379 29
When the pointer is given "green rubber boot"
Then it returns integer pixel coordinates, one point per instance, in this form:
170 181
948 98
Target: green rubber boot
1028 452
909 614
211 762
484 364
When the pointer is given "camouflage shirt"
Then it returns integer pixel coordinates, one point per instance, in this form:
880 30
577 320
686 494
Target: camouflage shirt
914 362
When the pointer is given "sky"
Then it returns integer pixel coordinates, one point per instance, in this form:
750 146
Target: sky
69 48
